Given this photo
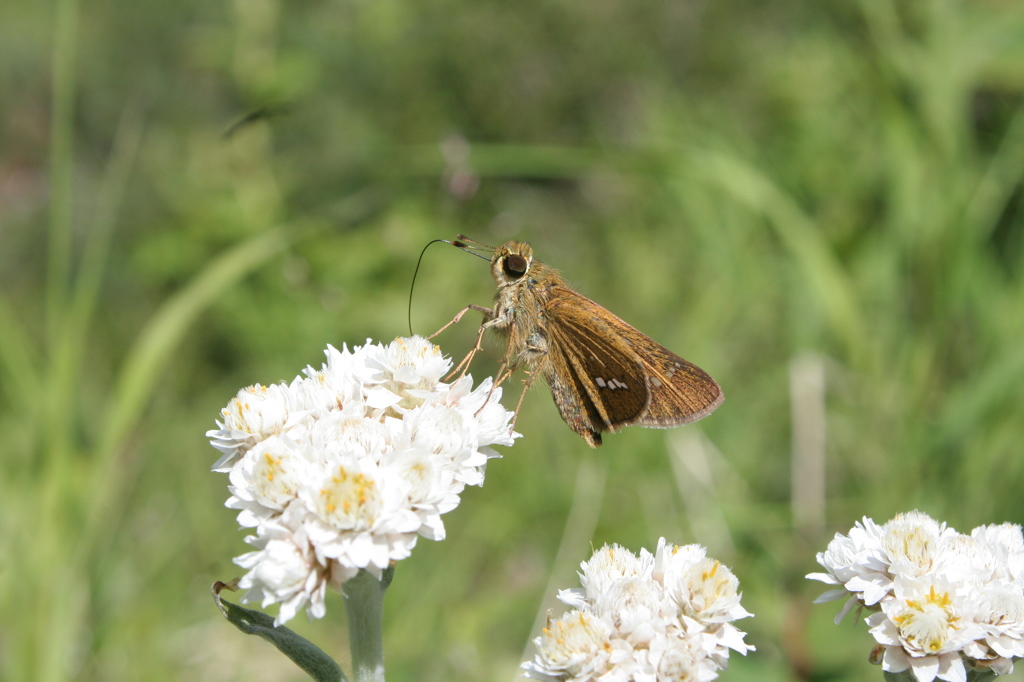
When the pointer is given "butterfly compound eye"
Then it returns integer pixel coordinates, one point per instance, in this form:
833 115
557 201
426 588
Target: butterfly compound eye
515 266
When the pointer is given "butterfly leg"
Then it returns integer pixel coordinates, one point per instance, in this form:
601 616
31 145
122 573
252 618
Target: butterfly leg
463 366
504 373
488 313
530 376
536 351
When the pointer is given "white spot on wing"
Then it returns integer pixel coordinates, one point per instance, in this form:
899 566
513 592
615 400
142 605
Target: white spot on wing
656 381
600 382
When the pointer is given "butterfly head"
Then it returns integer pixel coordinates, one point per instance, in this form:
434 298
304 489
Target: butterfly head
511 262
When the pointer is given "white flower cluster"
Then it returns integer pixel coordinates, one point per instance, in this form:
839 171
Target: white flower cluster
941 598
343 468
650 618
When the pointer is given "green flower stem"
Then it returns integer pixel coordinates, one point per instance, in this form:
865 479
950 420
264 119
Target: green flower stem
364 607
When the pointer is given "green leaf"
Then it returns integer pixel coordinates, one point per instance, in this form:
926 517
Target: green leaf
303 653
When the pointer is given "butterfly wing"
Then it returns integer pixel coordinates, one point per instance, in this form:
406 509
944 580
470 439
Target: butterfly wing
577 401
629 378
597 380
681 392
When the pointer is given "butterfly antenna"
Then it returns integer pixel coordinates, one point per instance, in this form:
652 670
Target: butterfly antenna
416 272
472 246
468 245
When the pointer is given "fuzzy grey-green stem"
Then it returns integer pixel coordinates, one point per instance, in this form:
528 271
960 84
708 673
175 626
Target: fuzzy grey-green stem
364 608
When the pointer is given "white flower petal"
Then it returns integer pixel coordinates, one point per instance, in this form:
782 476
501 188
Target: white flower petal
661 617
345 467
943 599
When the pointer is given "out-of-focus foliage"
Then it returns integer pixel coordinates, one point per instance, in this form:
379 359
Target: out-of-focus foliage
197 196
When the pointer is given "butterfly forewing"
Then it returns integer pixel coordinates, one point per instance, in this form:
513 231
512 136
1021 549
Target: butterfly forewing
610 369
681 392
674 391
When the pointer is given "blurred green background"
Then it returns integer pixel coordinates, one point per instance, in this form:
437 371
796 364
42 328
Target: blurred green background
821 203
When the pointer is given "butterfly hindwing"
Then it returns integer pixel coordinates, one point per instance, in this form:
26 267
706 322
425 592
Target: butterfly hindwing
577 407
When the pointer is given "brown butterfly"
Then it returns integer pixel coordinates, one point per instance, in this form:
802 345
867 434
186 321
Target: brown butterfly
603 373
